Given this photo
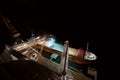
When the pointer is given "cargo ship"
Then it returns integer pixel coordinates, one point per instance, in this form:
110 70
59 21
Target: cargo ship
36 49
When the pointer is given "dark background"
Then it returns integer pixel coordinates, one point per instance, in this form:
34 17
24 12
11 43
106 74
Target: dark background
78 22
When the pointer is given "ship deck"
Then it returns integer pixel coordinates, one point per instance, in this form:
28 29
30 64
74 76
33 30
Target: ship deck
38 57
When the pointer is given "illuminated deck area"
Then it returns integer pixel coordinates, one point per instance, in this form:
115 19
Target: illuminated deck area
37 48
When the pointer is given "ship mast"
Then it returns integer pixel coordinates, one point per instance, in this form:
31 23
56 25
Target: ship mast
64 61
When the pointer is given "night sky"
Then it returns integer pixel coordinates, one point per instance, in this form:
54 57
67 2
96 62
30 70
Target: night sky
77 22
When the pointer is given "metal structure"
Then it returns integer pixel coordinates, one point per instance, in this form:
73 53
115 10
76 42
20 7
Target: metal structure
64 61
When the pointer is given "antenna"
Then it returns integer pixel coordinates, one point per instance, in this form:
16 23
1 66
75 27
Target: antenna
87 46
86 50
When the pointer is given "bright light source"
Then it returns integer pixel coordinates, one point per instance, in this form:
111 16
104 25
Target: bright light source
90 56
38 37
50 42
